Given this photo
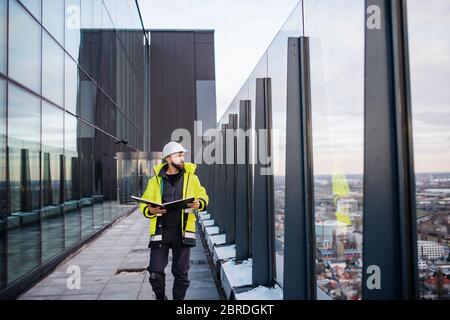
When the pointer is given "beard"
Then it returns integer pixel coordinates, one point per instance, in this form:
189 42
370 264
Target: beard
179 166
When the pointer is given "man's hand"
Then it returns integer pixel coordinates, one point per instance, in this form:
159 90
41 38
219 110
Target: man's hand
156 210
194 205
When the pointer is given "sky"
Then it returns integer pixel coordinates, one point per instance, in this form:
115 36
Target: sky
243 31
245 28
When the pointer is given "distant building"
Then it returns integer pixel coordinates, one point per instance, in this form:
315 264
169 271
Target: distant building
422 265
430 250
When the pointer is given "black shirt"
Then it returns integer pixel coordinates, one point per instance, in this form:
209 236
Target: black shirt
172 190
173 177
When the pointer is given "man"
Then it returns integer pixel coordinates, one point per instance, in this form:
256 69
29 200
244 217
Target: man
174 179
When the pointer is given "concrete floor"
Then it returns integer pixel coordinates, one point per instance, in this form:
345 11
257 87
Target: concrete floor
123 246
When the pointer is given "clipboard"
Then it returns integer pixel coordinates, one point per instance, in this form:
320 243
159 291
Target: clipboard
169 206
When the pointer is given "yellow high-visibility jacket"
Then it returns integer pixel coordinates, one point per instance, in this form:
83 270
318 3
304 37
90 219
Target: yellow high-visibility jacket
191 188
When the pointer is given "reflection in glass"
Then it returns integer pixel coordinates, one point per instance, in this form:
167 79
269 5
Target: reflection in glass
86 14
336 30
72 227
277 72
72 169
53 18
72 27
88 92
52 236
24 56
57 167
86 140
52 70
98 179
429 22
52 151
97 14
71 89
85 146
72 216
34 6
3 35
24 148
3 184
23 249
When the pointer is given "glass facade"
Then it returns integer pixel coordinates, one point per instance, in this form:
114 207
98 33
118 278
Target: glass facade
337 104
273 65
24 57
430 69
337 38
337 94
3 35
52 70
72 93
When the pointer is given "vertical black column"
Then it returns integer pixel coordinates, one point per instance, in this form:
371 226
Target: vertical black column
47 190
226 197
390 247
231 178
213 210
263 217
243 184
62 178
221 183
299 281
25 181
76 183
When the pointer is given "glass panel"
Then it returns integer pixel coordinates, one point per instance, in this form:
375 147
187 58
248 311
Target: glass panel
86 14
23 250
98 105
24 148
106 114
3 183
71 156
430 68
52 223
52 236
72 227
52 70
52 150
24 56
88 91
34 6
85 150
72 89
53 18
72 214
98 179
277 72
24 151
336 29
97 14
108 189
3 35
72 26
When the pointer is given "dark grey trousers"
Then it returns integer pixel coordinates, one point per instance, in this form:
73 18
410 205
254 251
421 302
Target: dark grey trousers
159 257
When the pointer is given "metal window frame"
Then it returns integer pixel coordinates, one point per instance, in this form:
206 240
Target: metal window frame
390 238
230 230
263 220
299 281
221 178
243 186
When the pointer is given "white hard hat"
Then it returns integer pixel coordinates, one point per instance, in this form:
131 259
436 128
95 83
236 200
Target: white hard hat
171 148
